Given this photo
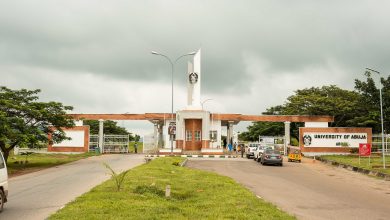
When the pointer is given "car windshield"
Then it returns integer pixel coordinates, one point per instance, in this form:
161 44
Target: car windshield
269 151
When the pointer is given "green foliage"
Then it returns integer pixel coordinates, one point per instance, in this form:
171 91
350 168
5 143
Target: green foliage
262 128
118 178
195 194
26 121
350 108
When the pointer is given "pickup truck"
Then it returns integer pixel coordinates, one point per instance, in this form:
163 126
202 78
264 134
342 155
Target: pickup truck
250 152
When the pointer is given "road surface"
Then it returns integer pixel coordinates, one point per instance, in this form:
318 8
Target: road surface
39 194
310 190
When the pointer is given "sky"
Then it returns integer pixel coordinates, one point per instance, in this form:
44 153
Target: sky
96 55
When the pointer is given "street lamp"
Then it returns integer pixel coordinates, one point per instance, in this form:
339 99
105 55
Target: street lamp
380 94
204 102
172 71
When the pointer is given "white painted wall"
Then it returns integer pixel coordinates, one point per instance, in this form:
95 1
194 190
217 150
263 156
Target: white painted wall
76 141
216 125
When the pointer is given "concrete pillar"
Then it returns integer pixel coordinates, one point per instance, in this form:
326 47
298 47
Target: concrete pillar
156 133
160 135
230 132
286 136
101 133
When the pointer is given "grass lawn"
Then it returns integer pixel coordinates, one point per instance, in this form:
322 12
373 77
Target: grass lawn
195 194
354 161
40 161
139 147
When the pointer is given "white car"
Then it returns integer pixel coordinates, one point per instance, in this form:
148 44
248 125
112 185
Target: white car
3 182
260 150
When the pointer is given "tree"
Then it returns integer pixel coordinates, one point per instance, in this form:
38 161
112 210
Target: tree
344 105
25 120
109 127
370 103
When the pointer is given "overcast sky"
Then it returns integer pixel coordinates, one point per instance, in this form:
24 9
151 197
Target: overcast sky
95 55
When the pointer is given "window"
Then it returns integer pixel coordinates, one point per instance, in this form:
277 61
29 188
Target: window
188 136
197 136
213 136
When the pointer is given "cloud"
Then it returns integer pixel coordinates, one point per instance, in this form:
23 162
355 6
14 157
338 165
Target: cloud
95 55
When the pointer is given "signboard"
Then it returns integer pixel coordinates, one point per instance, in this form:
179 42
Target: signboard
172 128
327 139
364 149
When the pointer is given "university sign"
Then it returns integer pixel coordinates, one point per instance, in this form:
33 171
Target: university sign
315 139
332 140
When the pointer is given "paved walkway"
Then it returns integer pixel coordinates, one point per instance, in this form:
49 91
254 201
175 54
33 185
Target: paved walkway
39 194
308 190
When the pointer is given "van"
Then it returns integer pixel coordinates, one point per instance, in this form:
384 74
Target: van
3 182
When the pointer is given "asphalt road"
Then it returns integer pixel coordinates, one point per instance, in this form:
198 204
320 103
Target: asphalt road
39 194
310 190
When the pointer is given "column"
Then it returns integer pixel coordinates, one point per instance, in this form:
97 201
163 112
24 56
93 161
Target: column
286 136
155 134
230 132
160 135
101 133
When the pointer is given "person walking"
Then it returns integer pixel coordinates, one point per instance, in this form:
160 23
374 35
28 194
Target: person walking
135 147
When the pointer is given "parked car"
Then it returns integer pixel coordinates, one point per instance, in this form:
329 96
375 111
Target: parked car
3 182
271 157
251 150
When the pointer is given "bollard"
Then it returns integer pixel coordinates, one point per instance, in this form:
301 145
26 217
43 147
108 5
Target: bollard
168 191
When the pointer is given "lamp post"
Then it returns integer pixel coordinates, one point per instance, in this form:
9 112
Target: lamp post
172 71
204 102
380 94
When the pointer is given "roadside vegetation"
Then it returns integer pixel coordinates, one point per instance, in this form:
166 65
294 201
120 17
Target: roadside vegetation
22 164
195 194
353 160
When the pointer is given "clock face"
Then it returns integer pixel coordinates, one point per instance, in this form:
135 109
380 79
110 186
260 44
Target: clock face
193 78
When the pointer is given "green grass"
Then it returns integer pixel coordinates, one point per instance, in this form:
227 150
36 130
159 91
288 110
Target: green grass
195 194
139 147
16 163
354 161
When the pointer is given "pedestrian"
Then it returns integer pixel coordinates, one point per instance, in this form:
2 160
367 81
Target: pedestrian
235 147
230 146
242 148
135 147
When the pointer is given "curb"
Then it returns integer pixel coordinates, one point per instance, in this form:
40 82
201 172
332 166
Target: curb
194 156
356 169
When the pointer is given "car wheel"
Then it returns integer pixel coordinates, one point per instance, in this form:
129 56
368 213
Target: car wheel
2 199
281 164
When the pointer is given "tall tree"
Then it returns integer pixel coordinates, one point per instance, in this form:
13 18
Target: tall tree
25 120
370 103
344 105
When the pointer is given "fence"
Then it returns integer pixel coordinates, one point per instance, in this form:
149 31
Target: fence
111 143
150 145
377 143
